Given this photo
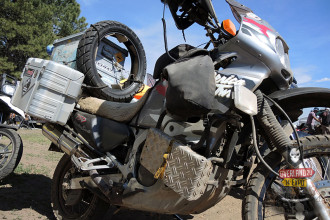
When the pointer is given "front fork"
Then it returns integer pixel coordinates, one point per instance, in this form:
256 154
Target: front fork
319 203
280 139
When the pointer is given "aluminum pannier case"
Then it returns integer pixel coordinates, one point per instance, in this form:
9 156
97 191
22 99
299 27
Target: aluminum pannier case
48 90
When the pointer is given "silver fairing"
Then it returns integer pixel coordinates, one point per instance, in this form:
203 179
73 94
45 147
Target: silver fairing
256 55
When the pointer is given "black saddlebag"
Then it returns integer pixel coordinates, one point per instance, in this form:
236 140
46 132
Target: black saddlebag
178 52
191 86
103 134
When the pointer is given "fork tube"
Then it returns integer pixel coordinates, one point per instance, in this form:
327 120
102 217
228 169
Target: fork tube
321 208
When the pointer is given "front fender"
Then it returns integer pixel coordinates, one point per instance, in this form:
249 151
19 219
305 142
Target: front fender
293 100
8 127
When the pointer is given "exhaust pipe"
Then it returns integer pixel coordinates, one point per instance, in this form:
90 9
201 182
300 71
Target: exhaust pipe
67 143
61 138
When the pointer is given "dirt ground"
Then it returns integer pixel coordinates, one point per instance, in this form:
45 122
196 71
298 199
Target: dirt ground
25 194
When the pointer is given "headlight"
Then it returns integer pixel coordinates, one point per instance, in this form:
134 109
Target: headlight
8 90
284 57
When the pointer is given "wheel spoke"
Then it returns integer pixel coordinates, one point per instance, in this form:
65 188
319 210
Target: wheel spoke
311 164
7 152
85 202
326 176
6 147
315 168
9 144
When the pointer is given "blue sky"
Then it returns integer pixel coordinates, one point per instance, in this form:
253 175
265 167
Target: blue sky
304 24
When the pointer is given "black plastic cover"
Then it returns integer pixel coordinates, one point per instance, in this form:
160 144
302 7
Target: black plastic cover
101 133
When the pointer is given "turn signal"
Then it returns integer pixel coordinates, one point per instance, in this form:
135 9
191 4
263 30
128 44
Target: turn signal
229 27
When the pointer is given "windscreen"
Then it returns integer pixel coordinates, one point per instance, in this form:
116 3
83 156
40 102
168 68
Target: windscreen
239 10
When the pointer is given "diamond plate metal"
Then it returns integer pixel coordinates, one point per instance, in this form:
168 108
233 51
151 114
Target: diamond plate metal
155 147
187 172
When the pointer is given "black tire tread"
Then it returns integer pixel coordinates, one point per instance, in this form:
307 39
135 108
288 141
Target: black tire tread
85 61
18 151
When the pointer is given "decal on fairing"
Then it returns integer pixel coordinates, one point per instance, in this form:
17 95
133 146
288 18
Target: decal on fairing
224 84
262 28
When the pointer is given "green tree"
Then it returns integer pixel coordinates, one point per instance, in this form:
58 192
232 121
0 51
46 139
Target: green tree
66 19
28 26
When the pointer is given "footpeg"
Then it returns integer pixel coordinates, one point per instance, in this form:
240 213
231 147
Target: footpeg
88 164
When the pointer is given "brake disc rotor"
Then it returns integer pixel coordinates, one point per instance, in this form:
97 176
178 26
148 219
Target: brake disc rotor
324 188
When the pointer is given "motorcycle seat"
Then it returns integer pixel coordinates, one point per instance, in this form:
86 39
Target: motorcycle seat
117 111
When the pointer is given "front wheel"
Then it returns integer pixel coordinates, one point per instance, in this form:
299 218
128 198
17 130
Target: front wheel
73 204
11 150
267 198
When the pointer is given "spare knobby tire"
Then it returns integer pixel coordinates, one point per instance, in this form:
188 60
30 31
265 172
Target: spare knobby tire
86 61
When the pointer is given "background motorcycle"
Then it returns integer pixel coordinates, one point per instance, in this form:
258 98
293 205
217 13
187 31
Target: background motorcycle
171 152
11 146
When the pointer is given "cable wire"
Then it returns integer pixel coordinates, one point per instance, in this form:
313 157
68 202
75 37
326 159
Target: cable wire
254 136
165 35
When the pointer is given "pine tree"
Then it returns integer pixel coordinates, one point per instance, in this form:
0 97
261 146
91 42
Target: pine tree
27 27
66 18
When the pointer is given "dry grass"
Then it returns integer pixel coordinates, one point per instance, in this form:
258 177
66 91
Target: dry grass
25 194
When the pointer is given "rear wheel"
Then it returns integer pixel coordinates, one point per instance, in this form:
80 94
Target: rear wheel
267 198
73 204
11 150
113 59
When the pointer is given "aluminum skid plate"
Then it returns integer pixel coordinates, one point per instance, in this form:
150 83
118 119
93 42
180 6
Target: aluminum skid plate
155 147
187 173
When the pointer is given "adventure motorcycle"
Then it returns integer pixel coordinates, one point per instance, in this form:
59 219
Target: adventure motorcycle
191 137
11 146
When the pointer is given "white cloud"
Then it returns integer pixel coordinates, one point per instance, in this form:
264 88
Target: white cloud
303 74
309 76
323 80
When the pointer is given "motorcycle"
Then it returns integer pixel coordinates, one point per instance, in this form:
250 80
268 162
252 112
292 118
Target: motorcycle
193 136
11 146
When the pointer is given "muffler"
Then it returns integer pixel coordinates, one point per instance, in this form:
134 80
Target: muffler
69 145
61 138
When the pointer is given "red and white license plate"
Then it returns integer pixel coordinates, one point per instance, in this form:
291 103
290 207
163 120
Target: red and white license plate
296 173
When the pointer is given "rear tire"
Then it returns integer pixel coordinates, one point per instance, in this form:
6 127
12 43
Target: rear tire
86 61
11 150
262 179
86 206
